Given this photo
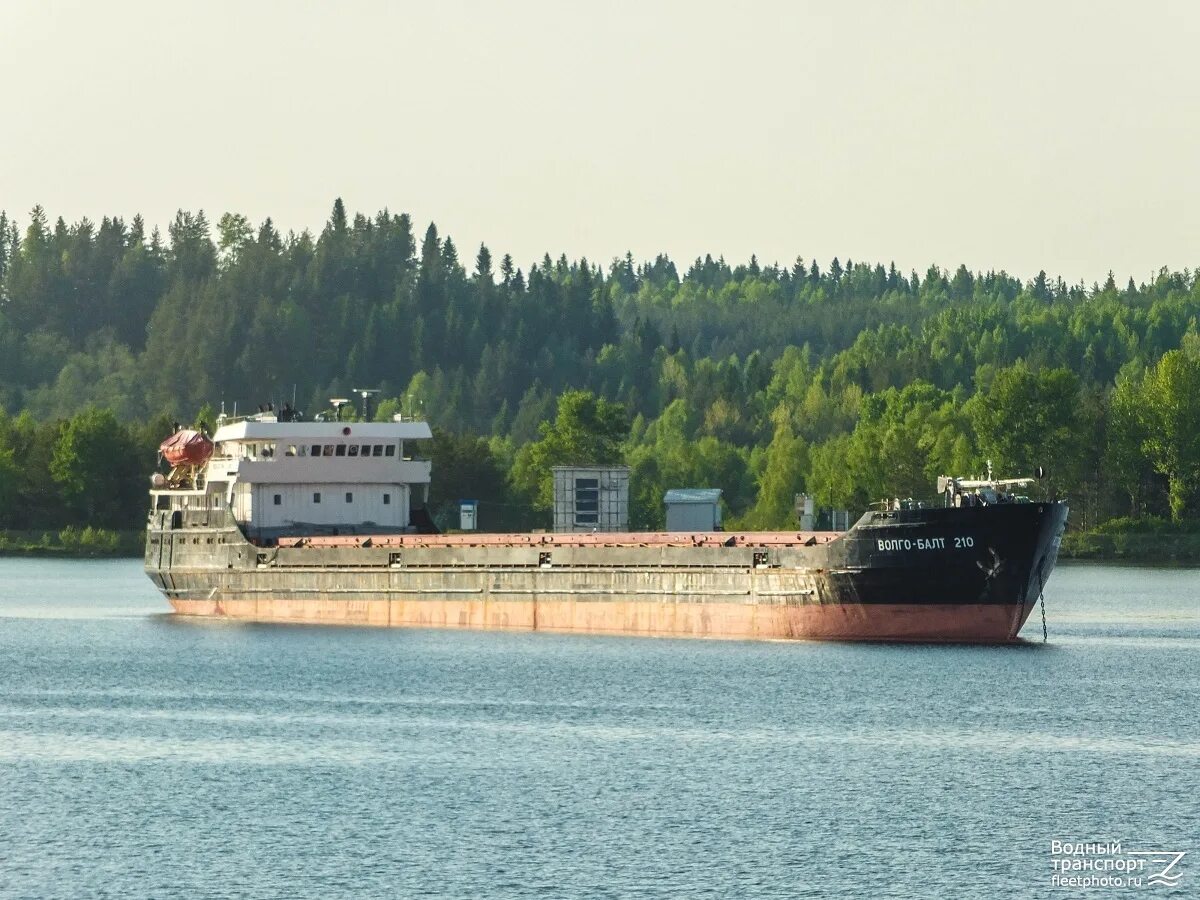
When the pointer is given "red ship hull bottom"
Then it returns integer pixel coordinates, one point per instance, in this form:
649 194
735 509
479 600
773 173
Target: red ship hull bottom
951 623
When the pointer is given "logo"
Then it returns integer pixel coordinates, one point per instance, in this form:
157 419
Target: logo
1168 860
1108 864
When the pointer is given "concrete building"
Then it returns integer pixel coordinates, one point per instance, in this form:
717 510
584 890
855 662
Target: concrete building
693 509
591 498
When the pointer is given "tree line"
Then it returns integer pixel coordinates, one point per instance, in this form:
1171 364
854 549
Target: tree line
851 381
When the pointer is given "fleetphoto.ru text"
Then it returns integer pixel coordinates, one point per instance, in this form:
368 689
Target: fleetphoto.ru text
1101 864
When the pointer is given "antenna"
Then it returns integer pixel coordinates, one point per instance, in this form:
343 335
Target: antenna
366 394
337 403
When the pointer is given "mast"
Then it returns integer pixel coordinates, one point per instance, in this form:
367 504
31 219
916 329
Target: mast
366 394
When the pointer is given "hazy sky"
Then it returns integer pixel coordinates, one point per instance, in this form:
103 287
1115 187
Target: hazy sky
1063 136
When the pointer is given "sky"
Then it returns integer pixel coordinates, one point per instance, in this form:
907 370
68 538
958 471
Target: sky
1021 136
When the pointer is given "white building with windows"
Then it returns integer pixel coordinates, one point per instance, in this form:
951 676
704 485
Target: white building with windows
591 498
283 478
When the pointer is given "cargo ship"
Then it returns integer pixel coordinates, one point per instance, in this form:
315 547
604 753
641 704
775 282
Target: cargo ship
275 519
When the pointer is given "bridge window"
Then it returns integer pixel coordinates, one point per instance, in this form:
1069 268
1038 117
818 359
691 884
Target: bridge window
378 450
328 450
389 450
353 450
316 449
366 449
341 449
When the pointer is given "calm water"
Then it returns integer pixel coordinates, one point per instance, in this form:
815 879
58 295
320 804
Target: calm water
147 756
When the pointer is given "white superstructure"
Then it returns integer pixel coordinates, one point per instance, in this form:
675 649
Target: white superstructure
282 477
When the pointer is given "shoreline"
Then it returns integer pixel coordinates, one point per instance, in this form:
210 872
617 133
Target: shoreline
1134 547
63 553
72 543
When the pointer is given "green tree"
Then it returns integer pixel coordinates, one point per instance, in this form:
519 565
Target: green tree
464 467
587 430
783 476
234 232
1027 418
666 456
831 482
95 465
1170 404
1125 459
10 482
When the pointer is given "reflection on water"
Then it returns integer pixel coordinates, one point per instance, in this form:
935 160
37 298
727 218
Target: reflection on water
142 755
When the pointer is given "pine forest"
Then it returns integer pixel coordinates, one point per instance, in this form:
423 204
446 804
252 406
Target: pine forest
845 379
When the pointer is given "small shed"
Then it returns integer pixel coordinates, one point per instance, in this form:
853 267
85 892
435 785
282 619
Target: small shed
468 515
693 509
591 498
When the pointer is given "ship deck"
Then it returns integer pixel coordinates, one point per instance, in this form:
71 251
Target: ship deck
586 539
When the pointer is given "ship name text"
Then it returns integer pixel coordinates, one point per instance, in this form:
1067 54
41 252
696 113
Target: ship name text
933 543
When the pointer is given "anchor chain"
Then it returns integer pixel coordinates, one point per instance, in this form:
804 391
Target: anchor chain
1042 602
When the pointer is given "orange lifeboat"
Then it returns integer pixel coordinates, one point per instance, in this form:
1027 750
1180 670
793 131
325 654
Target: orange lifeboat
186 448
